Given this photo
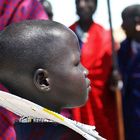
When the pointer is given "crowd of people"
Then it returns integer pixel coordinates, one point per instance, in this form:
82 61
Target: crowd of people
68 70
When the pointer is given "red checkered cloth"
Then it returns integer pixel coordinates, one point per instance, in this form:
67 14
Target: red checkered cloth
12 11
7 119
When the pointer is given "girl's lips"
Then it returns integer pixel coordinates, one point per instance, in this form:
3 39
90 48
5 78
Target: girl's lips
87 82
88 85
89 89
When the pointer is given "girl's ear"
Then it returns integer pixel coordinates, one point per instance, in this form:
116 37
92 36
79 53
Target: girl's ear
41 80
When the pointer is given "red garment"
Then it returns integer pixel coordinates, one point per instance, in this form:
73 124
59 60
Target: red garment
100 109
12 11
7 119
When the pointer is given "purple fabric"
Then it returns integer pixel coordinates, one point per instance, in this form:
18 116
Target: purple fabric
12 11
7 119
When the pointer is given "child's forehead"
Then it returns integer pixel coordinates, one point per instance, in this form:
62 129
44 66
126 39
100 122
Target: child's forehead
68 45
66 38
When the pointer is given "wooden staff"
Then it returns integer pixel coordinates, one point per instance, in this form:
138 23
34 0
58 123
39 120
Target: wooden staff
115 73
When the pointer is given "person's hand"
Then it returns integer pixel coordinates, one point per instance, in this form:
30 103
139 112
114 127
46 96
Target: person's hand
115 81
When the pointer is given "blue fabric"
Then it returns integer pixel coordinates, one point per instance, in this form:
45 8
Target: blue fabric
130 68
45 131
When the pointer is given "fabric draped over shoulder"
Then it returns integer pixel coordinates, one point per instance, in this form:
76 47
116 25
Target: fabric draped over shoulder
12 11
7 118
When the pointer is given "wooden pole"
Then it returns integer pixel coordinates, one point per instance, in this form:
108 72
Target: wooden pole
121 135
115 72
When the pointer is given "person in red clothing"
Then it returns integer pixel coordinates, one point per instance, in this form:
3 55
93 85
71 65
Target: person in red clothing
12 11
96 56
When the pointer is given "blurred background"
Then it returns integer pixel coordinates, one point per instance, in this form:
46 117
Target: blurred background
66 13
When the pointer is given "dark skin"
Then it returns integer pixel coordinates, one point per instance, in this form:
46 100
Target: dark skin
85 10
131 20
40 61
